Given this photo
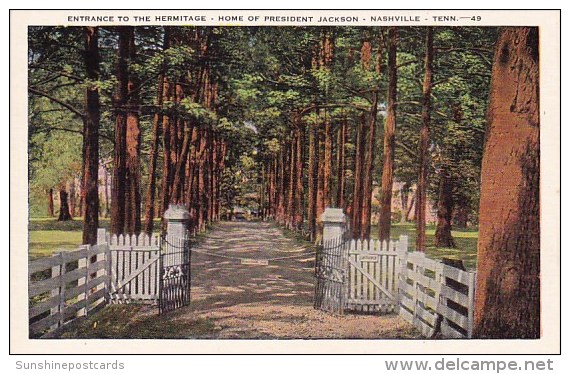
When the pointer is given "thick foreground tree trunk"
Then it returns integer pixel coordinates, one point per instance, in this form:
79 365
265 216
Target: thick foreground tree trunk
64 214
508 271
90 186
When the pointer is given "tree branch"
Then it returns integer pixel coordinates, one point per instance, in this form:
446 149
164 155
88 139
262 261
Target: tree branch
57 101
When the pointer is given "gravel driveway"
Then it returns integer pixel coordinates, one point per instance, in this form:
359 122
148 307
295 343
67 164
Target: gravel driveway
273 301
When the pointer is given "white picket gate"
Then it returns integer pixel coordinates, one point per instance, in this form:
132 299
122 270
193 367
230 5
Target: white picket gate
385 277
373 274
135 267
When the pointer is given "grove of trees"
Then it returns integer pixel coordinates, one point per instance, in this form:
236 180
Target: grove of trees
124 121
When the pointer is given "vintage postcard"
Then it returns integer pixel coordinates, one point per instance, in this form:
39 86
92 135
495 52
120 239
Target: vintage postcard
262 181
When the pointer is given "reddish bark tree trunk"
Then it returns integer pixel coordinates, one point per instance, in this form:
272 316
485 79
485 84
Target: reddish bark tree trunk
156 132
166 154
50 203
443 236
292 185
312 176
421 193
356 208
298 180
132 163
507 303
320 206
119 161
341 164
327 165
72 198
89 183
368 168
151 186
64 214
385 220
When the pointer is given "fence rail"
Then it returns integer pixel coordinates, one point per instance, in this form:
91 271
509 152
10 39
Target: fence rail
65 286
436 297
384 277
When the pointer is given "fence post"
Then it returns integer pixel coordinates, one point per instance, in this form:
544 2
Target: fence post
471 307
101 236
177 217
83 263
334 224
58 271
402 250
334 229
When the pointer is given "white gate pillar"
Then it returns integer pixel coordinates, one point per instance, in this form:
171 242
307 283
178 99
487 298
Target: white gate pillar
334 224
177 217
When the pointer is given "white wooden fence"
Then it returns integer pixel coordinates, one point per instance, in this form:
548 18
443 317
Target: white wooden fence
434 296
71 284
65 286
385 277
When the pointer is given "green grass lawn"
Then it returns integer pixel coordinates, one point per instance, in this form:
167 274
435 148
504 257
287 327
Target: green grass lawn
48 236
465 240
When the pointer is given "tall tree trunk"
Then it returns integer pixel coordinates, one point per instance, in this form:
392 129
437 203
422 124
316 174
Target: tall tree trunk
443 236
72 197
180 170
312 176
107 198
320 184
356 208
327 159
421 193
385 220
90 186
368 167
151 186
507 302
166 181
64 214
404 195
119 161
50 203
298 180
133 198
461 215
341 164
157 123
292 185
410 207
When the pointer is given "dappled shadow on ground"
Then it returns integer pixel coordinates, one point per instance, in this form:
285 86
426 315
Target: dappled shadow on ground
221 282
273 301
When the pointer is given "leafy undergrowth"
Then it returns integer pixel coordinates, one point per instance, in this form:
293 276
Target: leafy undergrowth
135 322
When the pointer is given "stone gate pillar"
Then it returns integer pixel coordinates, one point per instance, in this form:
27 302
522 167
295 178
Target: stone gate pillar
334 224
177 217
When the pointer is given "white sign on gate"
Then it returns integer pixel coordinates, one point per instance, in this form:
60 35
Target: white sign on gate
368 258
252 261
